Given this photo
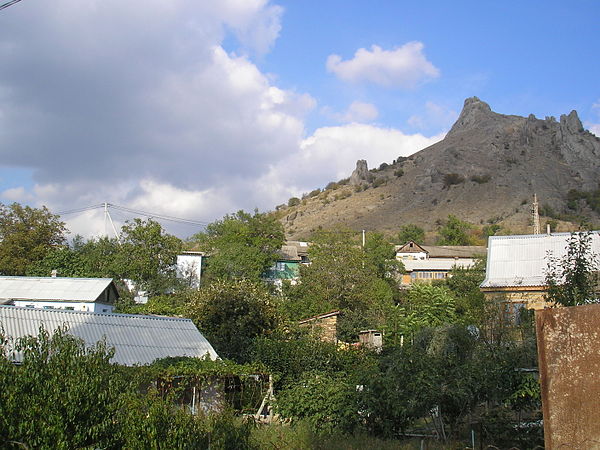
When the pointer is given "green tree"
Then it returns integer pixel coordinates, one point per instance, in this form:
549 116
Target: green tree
381 255
464 284
26 236
63 395
429 305
148 256
66 261
231 313
339 277
241 245
573 279
455 232
411 232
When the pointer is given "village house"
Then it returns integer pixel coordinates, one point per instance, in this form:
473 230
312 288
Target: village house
287 267
137 339
428 262
517 267
75 294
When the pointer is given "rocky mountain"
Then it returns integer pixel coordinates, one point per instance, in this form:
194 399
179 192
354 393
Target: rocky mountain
486 170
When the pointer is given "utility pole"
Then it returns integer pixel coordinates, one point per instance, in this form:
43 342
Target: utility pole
107 216
535 215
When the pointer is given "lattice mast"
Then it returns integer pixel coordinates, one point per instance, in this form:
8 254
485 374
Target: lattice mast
535 215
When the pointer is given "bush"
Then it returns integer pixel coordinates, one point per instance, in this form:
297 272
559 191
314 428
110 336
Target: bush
451 179
294 201
383 166
380 181
398 173
314 193
327 402
332 185
481 179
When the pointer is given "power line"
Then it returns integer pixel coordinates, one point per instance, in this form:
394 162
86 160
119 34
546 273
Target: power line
137 212
7 4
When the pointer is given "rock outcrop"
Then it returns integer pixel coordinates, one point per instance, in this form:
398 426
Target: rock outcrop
360 174
485 170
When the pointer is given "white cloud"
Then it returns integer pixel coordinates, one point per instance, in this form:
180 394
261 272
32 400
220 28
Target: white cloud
16 194
434 116
593 127
146 109
404 67
356 112
331 153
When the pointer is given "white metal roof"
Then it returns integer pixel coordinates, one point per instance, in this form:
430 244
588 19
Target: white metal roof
137 339
436 264
522 260
53 288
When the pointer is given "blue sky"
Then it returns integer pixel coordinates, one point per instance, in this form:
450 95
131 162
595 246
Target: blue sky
198 109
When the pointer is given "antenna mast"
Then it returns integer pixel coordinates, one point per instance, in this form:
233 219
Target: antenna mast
535 214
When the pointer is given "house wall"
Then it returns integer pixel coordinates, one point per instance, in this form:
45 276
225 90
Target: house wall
189 267
326 327
531 297
73 306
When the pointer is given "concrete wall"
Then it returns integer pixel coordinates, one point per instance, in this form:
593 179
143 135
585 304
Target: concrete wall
569 358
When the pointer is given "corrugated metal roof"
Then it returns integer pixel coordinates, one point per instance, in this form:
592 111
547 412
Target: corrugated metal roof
454 251
436 264
137 339
53 288
522 260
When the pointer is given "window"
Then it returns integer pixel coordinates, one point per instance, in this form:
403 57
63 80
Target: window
70 308
48 307
512 312
104 310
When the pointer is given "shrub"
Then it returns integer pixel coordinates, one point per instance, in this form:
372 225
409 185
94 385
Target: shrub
332 185
314 193
294 201
452 179
398 173
383 166
380 181
481 179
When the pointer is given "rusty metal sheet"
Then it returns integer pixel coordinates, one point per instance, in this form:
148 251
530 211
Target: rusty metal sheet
569 358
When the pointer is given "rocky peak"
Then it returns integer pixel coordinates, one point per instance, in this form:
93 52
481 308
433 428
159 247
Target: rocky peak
360 173
571 123
474 111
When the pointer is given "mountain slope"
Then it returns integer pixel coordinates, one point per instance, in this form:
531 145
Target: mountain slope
485 170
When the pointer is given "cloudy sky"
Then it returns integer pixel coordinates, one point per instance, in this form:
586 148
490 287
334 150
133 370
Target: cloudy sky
196 109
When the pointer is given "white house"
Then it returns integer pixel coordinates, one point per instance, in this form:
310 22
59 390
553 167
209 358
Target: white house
189 267
429 262
75 294
517 267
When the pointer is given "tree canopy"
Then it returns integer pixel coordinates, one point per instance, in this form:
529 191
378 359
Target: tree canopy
241 245
27 235
573 279
231 313
455 232
411 232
